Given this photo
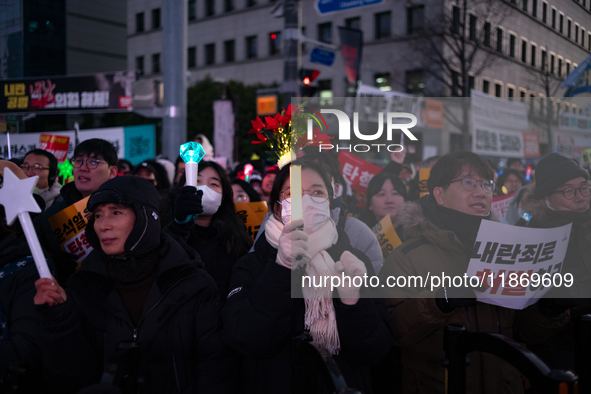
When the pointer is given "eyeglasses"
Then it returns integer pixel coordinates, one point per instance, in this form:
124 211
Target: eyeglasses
318 194
470 184
571 192
241 197
35 167
91 163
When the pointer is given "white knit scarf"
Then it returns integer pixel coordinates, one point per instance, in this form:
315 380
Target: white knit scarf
320 316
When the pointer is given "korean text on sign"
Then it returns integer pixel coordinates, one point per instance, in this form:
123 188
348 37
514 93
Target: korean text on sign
68 227
357 172
252 214
507 259
387 236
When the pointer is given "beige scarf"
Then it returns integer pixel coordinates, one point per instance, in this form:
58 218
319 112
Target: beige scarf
320 316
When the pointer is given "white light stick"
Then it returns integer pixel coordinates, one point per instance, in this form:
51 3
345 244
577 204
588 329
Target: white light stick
191 153
8 143
17 197
295 184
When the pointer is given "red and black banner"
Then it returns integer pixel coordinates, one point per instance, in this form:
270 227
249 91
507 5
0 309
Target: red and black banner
105 92
352 44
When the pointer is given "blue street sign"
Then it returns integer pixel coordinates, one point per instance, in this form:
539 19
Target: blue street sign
322 56
324 7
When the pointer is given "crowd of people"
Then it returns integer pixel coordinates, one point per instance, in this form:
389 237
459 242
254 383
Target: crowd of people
213 309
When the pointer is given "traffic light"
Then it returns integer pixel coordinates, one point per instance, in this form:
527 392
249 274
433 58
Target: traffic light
307 76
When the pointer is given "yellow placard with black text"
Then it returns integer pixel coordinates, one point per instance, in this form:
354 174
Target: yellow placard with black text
68 226
252 214
387 236
423 177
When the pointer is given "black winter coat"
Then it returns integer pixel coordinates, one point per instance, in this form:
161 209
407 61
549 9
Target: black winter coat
179 333
16 302
261 318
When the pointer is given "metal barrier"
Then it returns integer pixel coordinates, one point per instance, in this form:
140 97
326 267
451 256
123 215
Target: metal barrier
457 343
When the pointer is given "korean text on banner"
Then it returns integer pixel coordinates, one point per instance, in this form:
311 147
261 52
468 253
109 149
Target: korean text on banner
423 178
508 260
56 145
357 173
387 236
68 225
500 204
252 214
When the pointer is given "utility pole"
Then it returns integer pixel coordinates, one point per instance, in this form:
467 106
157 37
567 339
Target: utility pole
291 50
174 62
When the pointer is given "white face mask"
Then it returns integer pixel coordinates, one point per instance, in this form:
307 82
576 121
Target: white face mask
210 201
285 210
315 214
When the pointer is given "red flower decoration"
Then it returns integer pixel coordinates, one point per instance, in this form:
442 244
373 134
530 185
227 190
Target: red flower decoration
318 139
271 123
257 125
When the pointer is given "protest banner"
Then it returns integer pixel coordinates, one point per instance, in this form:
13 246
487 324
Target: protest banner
518 265
387 236
423 178
500 204
56 145
252 214
68 225
357 173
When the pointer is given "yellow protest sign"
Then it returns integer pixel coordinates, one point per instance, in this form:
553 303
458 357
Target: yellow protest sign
252 214
423 177
587 156
68 227
387 236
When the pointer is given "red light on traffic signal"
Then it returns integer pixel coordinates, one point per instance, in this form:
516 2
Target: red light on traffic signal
306 81
273 36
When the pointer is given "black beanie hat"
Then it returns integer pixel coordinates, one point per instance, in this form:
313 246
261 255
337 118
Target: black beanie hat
143 198
553 171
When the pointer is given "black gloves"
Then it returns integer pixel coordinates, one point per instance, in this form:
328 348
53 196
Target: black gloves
187 206
450 298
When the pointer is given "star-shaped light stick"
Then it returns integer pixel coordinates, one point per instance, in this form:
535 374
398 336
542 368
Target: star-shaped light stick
17 197
191 153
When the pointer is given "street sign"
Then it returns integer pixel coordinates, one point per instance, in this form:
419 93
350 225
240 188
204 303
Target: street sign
324 7
266 105
322 56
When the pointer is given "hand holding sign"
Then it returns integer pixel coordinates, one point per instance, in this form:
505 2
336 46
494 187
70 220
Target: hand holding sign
16 195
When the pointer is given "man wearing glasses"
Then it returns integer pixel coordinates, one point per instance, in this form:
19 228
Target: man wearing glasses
41 163
94 162
440 231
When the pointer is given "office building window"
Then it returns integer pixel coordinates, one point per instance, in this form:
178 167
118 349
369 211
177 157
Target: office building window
510 93
274 43
139 64
485 86
512 45
568 27
553 18
567 68
533 55
543 60
589 41
415 19
525 5
325 32
251 47
353 23
455 21
534 9
498 89
545 12
559 69
487 34
576 34
155 63
499 39
139 22
383 81
156 18
552 60
209 7
455 84
228 5
582 37
473 21
192 57
561 23
471 82
209 54
192 10
382 25
522 96
415 83
523 51
229 51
